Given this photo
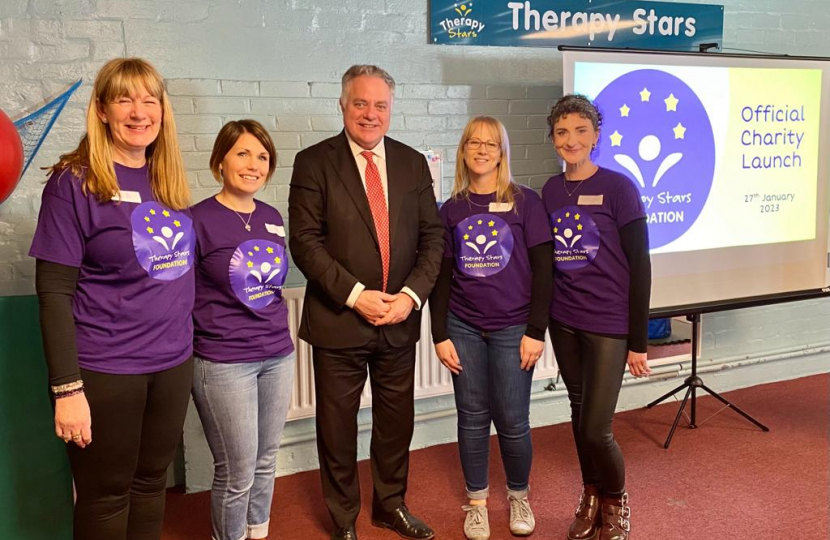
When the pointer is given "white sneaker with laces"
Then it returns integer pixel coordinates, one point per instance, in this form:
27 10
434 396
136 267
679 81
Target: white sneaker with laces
477 523
522 522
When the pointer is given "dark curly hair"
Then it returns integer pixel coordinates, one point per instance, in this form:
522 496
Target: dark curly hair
574 104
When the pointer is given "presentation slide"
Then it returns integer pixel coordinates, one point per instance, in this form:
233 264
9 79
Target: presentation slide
722 156
731 156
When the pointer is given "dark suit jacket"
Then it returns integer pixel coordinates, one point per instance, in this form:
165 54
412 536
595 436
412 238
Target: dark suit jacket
333 240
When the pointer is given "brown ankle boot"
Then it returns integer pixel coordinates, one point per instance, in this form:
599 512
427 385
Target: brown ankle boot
587 522
615 515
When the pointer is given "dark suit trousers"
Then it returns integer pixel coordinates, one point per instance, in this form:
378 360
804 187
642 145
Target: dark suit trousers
339 377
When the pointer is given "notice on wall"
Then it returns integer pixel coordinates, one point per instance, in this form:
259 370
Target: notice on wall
435 162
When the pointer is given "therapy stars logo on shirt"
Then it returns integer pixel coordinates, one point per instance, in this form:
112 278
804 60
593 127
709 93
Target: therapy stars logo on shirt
575 238
657 132
483 245
257 270
163 240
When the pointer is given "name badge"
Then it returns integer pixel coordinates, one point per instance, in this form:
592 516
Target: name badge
279 230
501 207
127 196
590 200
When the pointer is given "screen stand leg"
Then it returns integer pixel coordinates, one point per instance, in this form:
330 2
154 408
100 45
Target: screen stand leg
691 384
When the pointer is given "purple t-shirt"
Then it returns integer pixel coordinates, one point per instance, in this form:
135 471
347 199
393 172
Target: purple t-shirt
135 288
240 314
591 276
491 278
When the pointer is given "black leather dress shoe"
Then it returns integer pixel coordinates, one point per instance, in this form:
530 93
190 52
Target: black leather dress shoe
344 533
403 523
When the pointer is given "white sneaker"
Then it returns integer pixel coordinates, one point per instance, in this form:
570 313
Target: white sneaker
522 522
476 524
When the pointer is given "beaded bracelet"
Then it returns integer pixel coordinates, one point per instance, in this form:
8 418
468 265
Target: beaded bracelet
68 389
69 393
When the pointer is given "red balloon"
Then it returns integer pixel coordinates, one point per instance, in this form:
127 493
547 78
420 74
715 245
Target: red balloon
11 157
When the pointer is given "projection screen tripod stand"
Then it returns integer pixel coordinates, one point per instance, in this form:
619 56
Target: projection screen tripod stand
691 384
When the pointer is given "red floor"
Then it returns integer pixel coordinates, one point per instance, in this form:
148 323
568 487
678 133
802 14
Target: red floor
724 480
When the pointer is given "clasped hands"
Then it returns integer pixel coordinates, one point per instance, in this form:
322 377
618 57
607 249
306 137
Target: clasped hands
380 308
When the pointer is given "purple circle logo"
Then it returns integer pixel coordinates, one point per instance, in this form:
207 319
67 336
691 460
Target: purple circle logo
575 238
258 270
163 240
657 132
484 243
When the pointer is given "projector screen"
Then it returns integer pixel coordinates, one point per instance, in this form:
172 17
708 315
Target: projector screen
730 155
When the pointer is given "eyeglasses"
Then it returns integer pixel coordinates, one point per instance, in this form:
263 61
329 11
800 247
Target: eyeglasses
475 144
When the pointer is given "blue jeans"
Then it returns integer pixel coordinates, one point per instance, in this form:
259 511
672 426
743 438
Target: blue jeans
491 387
243 408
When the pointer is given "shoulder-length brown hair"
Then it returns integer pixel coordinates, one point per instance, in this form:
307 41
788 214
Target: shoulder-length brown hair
506 190
92 159
228 136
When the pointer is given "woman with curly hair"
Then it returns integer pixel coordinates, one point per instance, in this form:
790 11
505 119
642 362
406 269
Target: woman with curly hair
599 312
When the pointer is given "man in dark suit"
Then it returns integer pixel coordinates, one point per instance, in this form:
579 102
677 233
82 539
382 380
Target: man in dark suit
365 231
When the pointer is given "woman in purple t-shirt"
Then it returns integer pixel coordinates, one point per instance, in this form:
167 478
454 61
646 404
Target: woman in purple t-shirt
114 247
244 366
599 312
489 314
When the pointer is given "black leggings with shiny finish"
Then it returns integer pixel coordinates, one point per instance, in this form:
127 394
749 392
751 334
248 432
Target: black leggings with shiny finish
592 367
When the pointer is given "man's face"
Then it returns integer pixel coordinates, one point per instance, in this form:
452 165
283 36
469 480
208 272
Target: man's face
366 110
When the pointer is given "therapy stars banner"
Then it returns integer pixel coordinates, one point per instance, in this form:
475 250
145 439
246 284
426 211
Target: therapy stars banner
601 23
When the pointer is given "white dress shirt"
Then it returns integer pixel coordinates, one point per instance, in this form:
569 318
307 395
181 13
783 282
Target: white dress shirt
379 159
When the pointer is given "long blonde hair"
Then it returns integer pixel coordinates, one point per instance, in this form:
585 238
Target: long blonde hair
92 159
506 190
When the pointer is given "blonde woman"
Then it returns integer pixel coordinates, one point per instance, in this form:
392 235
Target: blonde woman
489 316
114 246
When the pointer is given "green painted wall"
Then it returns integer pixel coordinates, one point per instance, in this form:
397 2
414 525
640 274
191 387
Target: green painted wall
35 483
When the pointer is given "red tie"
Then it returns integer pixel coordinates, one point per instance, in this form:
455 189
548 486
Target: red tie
380 215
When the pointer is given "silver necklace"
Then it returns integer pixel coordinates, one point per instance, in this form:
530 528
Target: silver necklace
470 200
479 205
565 181
578 185
244 221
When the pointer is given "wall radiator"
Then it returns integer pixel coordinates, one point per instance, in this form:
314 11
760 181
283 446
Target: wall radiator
431 378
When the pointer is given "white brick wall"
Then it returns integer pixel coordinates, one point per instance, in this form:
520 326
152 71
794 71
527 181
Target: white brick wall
280 63
306 113
769 328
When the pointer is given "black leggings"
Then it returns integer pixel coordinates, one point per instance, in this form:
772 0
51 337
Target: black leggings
120 478
592 367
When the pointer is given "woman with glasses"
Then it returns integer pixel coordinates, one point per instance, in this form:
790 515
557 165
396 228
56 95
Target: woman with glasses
489 316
